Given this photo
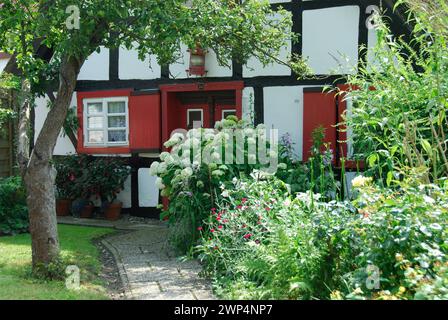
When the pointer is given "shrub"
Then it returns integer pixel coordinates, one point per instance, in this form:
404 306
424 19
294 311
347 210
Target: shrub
195 170
262 243
13 209
402 123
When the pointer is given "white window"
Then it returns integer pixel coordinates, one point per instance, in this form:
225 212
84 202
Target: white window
195 118
228 112
106 122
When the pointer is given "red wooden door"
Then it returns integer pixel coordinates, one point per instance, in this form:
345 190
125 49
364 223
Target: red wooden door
319 109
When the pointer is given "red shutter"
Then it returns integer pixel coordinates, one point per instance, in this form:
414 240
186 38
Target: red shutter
144 122
319 109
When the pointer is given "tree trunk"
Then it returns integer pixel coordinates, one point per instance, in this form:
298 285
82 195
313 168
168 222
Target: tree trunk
40 174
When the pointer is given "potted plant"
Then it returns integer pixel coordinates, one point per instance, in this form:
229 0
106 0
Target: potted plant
68 171
108 177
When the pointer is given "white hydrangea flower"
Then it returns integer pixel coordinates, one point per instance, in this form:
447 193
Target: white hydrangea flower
159 183
187 172
161 168
282 166
361 181
154 168
163 155
273 154
218 125
218 173
251 141
249 132
261 126
225 194
216 156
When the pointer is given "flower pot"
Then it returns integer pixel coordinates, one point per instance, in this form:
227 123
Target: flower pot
113 211
87 211
63 207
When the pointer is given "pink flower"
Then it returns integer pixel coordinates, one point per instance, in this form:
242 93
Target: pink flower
247 236
243 201
239 207
199 228
212 230
225 221
220 227
268 209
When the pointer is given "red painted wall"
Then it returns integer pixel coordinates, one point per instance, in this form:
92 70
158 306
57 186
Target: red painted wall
144 122
319 109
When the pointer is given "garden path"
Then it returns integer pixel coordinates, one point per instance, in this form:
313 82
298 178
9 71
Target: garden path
148 267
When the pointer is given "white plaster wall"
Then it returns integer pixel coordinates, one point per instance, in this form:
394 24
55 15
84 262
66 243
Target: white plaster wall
131 67
125 194
248 104
148 193
3 63
283 110
96 66
330 36
63 145
179 69
255 68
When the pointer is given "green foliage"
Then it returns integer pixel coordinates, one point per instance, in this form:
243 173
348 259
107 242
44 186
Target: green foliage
107 177
70 170
83 176
196 169
13 209
400 102
263 243
233 30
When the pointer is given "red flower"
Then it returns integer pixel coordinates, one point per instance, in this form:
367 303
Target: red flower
268 209
239 207
225 221
199 228
243 201
165 218
212 230
247 235
213 210
72 177
219 227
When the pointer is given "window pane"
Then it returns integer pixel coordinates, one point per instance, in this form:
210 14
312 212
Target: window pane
194 118
117 136
116 107
96 107
96 136
117 122
95 122
227 113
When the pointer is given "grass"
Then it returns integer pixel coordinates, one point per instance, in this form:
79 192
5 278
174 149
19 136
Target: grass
76 247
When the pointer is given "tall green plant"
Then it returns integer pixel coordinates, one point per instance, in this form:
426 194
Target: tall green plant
400 103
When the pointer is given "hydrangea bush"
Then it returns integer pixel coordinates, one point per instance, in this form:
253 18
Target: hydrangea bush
197 166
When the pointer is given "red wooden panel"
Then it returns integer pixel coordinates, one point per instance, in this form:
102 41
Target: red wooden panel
319 109
144 122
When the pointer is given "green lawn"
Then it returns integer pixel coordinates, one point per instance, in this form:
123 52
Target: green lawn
76 248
